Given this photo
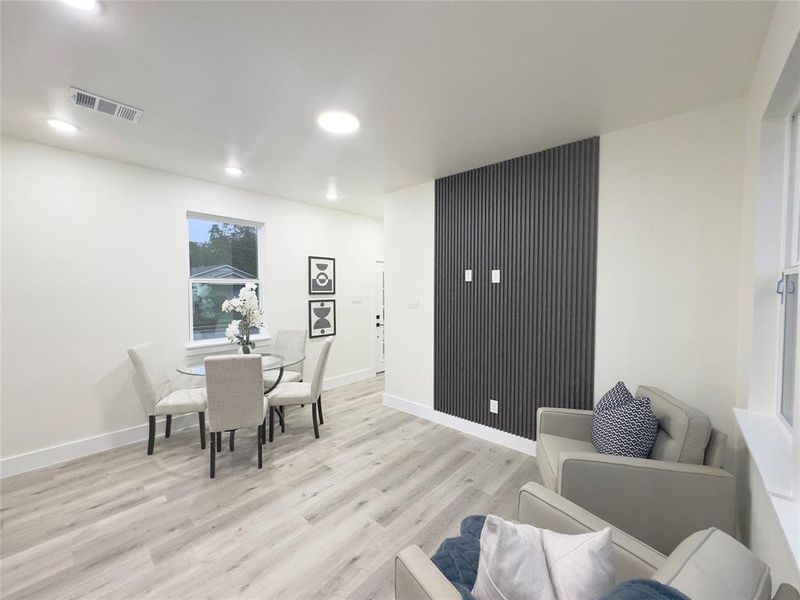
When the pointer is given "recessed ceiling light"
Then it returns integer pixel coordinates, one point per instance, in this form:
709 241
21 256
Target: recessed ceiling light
331 196
87 5
62 126
337 121
234 171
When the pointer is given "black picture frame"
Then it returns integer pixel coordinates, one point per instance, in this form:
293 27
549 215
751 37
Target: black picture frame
314 288
332 330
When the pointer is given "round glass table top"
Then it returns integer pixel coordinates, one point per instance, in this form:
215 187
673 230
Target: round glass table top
270 360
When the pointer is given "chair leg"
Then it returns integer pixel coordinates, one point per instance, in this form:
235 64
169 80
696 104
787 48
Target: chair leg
258 443
230 443
282 419
212 456
219 441
271 424
262 433
314 417
319 409
151 434
201 416
169 426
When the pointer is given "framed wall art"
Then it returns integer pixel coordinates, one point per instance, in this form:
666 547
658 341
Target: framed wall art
321 318
321 275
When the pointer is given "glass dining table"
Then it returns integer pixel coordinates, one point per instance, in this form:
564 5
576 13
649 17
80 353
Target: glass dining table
271 360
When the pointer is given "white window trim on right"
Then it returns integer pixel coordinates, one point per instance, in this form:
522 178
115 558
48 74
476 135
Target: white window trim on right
789 261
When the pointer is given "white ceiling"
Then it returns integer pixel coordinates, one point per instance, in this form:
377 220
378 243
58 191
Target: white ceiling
439 87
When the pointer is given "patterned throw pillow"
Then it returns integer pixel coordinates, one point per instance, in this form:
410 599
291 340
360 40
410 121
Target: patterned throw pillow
624 425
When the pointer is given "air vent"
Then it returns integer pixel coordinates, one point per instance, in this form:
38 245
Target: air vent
104 105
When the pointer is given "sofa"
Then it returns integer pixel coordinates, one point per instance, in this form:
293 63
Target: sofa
708 565
661 500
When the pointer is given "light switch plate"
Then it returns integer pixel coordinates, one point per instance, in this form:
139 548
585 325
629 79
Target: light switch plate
468 275
495 275
493 406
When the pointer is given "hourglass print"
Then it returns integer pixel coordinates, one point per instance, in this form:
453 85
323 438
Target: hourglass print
321 318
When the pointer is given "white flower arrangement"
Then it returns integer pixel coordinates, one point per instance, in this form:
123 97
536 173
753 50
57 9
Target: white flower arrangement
246 304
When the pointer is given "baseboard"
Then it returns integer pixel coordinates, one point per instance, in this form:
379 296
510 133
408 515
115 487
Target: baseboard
46 457
509 440
347 378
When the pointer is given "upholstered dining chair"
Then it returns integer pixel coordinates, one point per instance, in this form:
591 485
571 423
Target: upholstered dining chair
162 394
235 399
293 341
300 393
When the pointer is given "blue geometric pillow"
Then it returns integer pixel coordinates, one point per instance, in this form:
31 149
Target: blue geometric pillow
623 425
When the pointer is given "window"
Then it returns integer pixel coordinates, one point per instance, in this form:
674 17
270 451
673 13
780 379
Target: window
788 284
223 257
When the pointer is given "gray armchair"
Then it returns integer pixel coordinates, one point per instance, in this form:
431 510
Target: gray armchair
660 500
708 564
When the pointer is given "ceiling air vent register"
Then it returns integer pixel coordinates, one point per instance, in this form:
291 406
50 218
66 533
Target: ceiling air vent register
104 105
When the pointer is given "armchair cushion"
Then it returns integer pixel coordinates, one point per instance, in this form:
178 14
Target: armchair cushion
711 564
683 430
548 449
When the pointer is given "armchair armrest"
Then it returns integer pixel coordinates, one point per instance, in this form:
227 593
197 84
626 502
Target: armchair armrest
417 578
658 502
544 508
566 422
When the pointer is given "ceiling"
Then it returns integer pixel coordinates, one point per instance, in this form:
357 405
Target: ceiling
439 87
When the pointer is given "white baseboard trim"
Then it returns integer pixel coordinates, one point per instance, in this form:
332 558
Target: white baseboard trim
46 457
353 377
509 440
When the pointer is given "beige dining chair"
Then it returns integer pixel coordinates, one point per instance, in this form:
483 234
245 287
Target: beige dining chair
235 399
300 393
163 394
292 341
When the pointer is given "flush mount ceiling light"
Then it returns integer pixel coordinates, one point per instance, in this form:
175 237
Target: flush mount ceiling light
62 126
85 5
234 171
332 195
337 121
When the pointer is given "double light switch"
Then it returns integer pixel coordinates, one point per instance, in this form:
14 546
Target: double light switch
495 275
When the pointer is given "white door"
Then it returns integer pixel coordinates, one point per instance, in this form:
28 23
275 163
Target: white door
379 352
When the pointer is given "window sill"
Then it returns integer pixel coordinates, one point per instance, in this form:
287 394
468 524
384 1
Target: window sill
770 447
206 346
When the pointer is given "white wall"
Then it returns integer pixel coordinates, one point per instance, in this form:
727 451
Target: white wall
409 235
668 258
94 260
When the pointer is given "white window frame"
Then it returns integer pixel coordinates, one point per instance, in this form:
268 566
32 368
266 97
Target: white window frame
222 341
790 254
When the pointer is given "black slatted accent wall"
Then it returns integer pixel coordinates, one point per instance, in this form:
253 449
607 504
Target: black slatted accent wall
529 340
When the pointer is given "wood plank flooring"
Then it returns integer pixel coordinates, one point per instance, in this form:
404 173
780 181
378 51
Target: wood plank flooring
323 518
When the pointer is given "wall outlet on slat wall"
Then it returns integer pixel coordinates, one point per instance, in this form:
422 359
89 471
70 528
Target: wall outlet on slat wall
492 406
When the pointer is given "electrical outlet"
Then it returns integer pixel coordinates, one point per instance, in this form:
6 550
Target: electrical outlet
492 406
495 275
413 303
468 275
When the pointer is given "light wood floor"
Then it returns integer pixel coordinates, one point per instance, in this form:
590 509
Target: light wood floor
323 519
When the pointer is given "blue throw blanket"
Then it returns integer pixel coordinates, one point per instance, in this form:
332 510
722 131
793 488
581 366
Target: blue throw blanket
644 589
457 558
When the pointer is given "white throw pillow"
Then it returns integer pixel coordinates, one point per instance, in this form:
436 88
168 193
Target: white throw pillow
512 564
581 566
522 562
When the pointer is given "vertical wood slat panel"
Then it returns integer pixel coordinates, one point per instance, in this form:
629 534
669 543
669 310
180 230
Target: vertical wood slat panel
529 341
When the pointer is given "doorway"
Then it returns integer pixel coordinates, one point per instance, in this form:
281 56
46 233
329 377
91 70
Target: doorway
379 297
